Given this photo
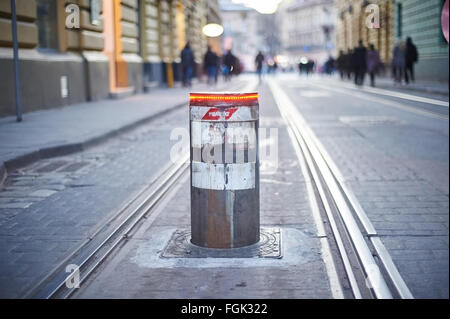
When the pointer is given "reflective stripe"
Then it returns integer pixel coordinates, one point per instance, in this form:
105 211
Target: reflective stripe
207 133
223 176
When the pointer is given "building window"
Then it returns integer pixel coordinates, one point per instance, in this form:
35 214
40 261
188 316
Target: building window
95 12
47 23
399 20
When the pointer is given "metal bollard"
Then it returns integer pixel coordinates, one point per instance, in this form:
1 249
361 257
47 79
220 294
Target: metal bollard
224 170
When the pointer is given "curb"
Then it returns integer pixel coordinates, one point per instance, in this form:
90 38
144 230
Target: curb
70 148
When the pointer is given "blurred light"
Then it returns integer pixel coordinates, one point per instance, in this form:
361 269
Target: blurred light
281 58
224 97
304 60
212 30
262 6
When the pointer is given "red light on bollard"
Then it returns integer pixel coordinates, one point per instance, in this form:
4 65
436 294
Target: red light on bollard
199 99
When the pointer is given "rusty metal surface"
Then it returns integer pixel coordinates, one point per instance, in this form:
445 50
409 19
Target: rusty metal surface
269 246
224 219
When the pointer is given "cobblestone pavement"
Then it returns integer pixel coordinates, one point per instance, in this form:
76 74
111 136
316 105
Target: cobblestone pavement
137 271
48 208
397 163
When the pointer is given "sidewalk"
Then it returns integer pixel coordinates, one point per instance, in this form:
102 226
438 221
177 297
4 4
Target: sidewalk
427 87
419 86
69 129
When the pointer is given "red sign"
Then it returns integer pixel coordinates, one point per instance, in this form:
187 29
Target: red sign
216 113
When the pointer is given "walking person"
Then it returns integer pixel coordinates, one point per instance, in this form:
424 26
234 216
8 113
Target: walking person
360 54
187 65
348 64
373 61
340 63
259 60
228 62
210 64
398 62
411 57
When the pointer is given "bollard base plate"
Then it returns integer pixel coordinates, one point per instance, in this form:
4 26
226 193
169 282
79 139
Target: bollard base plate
269 246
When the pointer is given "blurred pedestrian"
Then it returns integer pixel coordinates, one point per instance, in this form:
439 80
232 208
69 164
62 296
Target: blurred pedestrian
373 61
259 60
228 62
398 61
340 64
237 66
310 66
187 65
218 68
210 65
348 64
360 63
302 67
329 66
411 57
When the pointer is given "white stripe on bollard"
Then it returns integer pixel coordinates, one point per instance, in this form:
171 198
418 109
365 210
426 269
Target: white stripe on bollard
217 177
203 133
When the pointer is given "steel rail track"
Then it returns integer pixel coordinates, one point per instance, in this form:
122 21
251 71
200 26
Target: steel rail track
92 255
328 180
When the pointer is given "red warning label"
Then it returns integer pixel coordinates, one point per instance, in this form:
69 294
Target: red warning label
214 114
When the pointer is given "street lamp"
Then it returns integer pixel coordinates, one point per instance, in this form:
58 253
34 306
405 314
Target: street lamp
212 30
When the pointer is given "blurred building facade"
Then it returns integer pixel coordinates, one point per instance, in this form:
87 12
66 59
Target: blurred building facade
241 34
399 19
307 29
120 47
421 20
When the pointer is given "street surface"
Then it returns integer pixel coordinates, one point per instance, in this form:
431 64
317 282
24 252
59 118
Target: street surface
394 154
391 146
